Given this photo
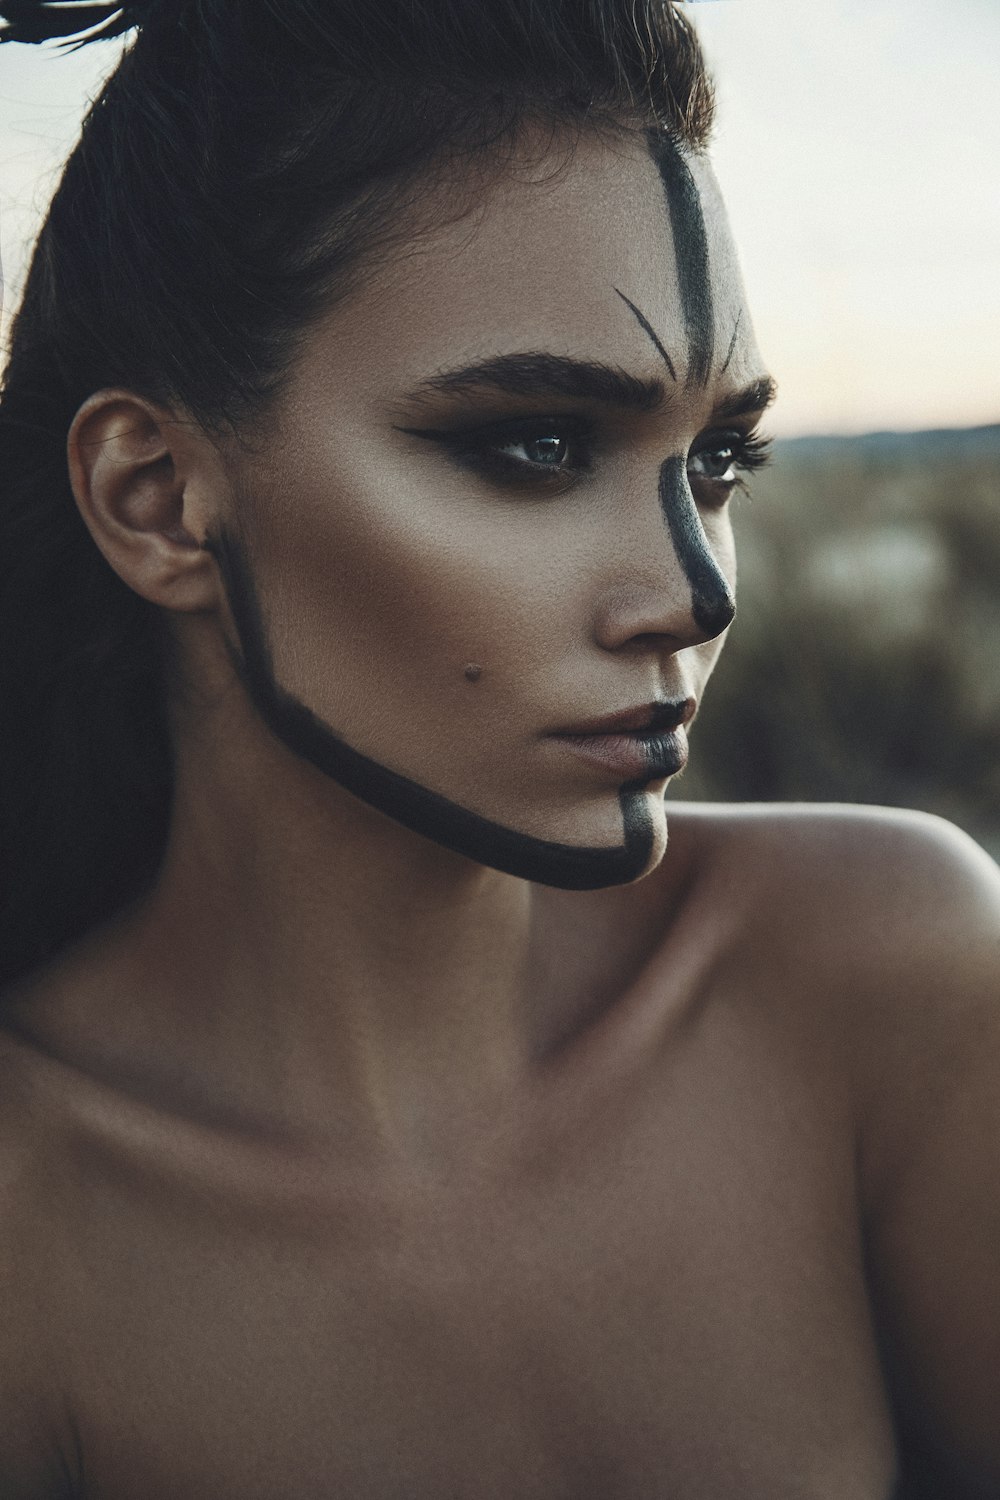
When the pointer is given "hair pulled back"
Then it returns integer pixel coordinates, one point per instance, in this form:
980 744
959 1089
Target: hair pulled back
229 180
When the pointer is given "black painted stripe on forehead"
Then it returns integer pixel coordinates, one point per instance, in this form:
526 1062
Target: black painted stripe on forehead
428 813
650 333
732 344
712 602
687 222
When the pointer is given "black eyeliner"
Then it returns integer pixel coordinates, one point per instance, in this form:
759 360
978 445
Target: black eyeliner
478 448
750 450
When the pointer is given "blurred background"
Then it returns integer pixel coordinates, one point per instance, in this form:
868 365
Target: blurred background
859 149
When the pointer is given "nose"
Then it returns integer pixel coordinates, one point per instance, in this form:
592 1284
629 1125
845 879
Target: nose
692 601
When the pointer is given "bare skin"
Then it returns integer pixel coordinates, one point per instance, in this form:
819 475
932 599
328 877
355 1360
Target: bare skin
345 1165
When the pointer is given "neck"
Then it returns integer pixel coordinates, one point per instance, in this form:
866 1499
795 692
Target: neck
339 967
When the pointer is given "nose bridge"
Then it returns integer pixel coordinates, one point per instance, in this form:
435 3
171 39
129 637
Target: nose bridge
713 607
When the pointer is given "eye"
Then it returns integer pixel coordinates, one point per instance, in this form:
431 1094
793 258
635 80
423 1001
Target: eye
720 458
548 448
527 451
714 463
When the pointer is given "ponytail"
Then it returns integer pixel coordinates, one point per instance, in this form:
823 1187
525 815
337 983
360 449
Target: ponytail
230 180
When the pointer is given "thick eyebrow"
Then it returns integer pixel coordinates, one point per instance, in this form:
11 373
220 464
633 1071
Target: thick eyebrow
756 397
541 375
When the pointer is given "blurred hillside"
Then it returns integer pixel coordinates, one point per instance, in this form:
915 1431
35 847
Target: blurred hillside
864 665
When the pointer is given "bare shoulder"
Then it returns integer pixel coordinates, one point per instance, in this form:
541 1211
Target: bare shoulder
868 896
885 929
844 852
886 924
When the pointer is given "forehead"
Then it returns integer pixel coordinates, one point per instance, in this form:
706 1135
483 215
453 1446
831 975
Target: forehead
534 264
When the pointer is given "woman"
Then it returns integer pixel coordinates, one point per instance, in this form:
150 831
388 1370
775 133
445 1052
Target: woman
387 1109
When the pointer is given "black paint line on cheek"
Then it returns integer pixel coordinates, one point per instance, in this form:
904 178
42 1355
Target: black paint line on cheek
712 603
687 221
416 807
648 328
732 344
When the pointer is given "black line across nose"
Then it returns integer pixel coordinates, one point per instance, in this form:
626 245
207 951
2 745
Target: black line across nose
712 602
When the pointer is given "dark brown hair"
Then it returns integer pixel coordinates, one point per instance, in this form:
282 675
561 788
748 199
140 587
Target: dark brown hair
241 164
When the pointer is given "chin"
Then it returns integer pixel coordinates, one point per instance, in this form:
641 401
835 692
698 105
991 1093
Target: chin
658 847
607 826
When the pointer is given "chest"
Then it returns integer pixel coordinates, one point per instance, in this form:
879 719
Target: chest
668 1308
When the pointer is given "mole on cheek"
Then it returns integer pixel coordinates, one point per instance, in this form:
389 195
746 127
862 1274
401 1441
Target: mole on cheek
473 673
428 813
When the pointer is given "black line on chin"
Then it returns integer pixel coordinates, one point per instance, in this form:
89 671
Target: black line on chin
425 812
648 328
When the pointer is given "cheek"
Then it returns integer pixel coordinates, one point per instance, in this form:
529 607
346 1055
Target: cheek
370 599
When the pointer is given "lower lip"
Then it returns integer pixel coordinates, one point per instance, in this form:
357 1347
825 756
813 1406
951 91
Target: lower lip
631 756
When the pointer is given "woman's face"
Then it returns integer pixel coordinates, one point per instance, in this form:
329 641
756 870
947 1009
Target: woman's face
492 510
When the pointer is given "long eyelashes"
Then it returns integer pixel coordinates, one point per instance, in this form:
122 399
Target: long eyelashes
553 450
754 450
757 452
550 453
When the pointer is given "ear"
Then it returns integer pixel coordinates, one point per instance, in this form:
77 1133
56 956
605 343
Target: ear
148 485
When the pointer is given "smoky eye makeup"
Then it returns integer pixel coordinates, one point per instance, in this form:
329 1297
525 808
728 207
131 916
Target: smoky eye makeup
719 460
550 454
547 452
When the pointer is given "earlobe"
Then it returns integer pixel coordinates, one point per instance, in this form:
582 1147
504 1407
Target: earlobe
142 481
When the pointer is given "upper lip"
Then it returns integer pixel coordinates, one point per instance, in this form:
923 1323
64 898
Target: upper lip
662 715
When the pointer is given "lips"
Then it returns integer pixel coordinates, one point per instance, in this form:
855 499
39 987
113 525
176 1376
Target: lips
640 744
659 717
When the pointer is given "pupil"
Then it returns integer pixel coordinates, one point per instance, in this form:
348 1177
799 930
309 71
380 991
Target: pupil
546 450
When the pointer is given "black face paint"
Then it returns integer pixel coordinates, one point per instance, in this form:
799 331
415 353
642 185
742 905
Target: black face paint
687 221
416 807
664 754
712 602
648 329
732 344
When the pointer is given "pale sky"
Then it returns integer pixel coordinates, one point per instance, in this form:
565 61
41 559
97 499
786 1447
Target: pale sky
859 148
